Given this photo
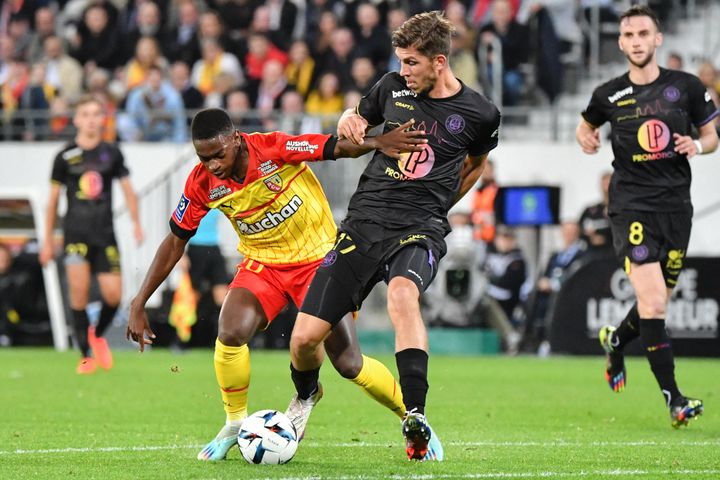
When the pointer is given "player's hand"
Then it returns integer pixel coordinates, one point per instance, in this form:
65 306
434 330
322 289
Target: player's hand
47 253
138 326
685 145
588 138
139 234
352 126
401 140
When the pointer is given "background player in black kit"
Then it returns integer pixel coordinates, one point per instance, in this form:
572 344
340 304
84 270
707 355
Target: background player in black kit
652 111
86 168
397 217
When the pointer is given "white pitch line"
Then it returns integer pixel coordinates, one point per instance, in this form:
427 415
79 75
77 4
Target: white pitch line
559 443
545 474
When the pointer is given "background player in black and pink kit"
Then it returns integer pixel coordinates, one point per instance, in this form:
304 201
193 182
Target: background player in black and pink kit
86 168
277 207
397 217
652 112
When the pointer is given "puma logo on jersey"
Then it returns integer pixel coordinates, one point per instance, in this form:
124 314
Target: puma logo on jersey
271 219
620 93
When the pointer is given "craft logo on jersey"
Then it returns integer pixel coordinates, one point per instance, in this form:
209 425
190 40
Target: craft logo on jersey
300 146
653 136
267 167
271 219
455 124
90 185
274 183
219 192
620 93
181 208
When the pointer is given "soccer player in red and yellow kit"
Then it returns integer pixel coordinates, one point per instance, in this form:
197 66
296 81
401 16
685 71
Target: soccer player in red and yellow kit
276 205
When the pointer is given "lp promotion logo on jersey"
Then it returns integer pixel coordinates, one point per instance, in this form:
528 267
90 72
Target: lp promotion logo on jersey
653 137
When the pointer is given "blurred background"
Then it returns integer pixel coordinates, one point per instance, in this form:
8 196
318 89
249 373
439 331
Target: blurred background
529 268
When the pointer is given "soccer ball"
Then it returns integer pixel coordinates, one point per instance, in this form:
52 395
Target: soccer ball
267 437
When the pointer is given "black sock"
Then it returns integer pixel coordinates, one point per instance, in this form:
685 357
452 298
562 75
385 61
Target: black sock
107 314
628 330
306 382
80 325
658 350
412 365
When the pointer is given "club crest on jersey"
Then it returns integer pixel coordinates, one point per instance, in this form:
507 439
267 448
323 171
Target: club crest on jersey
219 192
455 124
181 208
619 94
274 183
671 93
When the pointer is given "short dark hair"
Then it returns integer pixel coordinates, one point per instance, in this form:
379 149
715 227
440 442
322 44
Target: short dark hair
210 123
429 32
641 11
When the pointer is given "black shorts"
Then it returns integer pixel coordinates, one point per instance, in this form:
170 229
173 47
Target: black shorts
364 254
646 237
207 267
103 257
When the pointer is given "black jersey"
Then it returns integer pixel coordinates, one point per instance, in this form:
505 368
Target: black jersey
87 176
649 175
420 188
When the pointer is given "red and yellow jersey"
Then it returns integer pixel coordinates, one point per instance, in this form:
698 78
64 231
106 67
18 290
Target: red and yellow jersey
279 211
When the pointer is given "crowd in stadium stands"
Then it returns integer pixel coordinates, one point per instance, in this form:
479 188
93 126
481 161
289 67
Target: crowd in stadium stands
152 62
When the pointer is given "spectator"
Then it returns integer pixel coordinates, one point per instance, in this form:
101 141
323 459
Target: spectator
479 12
261 51
147 55
98 85
44 28
563 15
212 27
148 25
154 112
223 84
515 42
555 273
675 61
300 71
181 41
96 41
237 104
7 49
594 222
238 15
282 15
395 18
483 211
36 98
214 62
319 40
505 271
339 58
272 86
326 100
19 30
462 58
371 38
64 73
60 119
11 92
180 79
364 74
293 118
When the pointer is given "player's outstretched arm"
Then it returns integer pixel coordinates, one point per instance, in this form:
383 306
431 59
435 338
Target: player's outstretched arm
392 143
352 126
131 201
588 137
707 143
168 254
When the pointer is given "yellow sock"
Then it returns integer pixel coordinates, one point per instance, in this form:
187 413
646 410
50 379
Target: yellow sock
378 382
232 369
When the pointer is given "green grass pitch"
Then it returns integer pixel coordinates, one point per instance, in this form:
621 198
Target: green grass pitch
498 417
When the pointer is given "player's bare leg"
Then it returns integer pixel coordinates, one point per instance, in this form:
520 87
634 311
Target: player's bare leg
411 346
240 317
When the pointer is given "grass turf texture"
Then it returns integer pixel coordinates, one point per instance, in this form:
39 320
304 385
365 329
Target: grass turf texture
497 417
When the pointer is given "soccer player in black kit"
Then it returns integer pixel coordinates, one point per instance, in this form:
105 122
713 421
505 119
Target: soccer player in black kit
651 111
397 218
86 168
